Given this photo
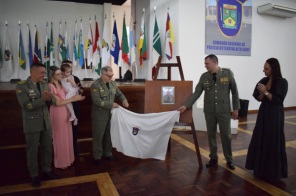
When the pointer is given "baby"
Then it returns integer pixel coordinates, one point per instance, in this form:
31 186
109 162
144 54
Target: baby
70 88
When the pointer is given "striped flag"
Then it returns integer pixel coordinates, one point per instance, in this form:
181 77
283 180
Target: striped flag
156 39
22 56
89 46
37 50
156 45
97 51
115 44
124 44
169 39
142 50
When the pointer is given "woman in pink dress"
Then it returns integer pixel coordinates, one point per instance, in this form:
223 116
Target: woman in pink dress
61 126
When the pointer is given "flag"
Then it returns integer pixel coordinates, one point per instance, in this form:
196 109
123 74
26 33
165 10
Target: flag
115 44
51 54
142 50
105 45
132 43
22 57
75 55
156 45
66 53
37 50
80 46
139 135
97 51
156 39
1 58
46 50
124 43
8 57
89 46
169 39
30 50
61 43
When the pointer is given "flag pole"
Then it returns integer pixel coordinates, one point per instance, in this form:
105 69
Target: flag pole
93 66
18 70
142 72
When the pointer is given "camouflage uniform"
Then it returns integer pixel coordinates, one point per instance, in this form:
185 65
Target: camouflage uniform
102 103
217 108
36 124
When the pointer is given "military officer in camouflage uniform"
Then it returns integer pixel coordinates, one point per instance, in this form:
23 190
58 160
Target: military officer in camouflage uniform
34 102
103 93
217 83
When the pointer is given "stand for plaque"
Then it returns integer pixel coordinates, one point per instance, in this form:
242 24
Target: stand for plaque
184 89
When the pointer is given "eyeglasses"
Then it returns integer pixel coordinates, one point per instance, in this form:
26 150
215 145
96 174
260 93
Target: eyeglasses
109 75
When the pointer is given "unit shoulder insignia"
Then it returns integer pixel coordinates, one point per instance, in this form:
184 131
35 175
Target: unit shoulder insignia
22 82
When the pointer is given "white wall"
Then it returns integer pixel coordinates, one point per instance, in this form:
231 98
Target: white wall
41 11
271 37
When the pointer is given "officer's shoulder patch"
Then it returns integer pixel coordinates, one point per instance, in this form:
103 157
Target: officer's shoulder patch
22 82
225 68
205 73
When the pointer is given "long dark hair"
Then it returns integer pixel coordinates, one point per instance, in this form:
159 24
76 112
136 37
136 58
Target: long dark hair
52 71
275 70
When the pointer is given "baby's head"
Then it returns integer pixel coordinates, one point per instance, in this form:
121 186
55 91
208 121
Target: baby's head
66 70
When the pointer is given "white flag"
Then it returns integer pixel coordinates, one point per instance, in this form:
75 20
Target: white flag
105 45
142 135
132 43
89 46
97 50
8 58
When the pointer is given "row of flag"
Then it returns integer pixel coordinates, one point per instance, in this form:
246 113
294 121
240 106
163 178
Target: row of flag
94 50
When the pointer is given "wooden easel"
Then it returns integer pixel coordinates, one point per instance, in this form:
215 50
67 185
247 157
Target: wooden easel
190 122
169 66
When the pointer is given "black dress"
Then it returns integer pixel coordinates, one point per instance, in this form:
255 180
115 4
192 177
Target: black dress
267 150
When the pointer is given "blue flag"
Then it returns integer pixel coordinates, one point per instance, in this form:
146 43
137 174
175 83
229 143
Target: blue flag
115 44
22 57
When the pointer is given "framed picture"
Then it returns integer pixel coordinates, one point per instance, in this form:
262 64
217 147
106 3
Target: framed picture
167 95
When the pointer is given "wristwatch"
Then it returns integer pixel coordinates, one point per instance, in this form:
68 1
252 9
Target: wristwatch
266 93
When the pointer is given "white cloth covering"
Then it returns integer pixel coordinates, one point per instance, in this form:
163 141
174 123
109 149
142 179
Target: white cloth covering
151 140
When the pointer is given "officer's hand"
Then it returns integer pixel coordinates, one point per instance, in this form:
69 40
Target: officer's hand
77 98
115 105
47 96
125 103
234 114
182 108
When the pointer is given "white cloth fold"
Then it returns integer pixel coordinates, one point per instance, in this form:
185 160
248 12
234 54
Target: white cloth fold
142 135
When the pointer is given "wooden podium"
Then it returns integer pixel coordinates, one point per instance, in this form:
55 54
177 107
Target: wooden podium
179 90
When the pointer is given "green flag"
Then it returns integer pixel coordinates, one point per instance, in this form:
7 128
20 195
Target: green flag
124 43
156 38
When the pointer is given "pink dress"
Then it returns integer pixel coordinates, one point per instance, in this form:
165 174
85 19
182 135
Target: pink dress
61 131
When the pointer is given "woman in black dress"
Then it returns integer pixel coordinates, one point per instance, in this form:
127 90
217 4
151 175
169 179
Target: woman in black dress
267 150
